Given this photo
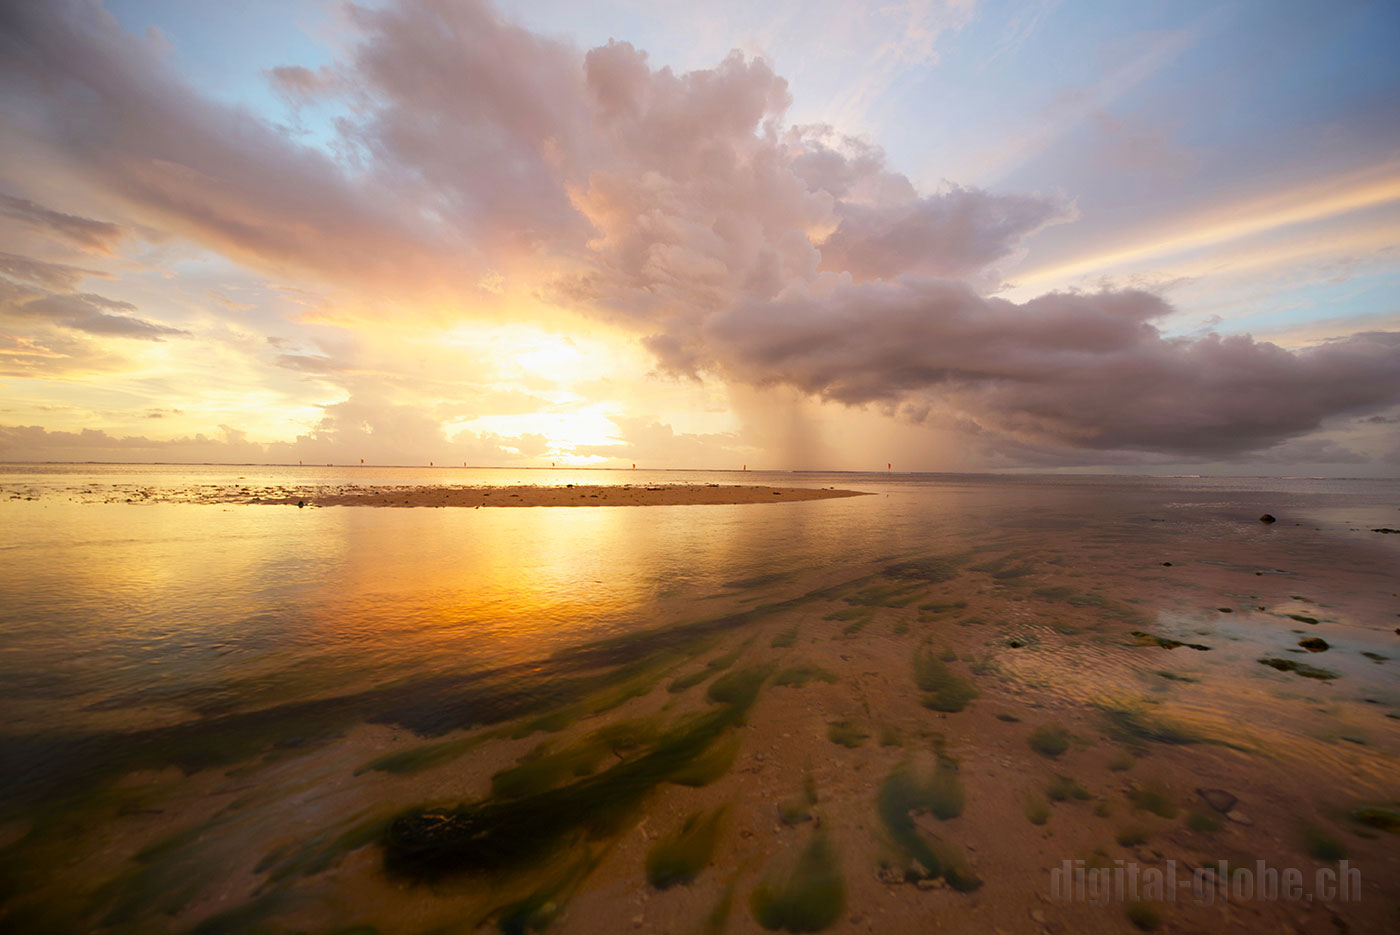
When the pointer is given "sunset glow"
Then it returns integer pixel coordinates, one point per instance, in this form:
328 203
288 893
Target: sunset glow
611 244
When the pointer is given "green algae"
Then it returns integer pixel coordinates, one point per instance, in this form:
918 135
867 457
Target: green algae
1048 741
1132 835
785 639
1134 726
1145 916
1121 762
1300 668
324 850
680 856
1320 844
1378 817
798 676
929 569
421 757
938 792
712 668
505 832
541 905
1153 797
808 897
846 734
1201 820
885 595
943 689
1061 788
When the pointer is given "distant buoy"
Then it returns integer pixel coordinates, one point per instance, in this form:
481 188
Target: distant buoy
889 467
634 465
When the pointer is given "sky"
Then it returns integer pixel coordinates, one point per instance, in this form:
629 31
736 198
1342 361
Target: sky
967 235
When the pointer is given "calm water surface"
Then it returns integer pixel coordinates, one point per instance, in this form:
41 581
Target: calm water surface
137 604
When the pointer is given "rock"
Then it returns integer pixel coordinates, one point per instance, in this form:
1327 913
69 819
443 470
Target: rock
1037 917
300 504
890 876
1239 817
1167 564
1314 645
935 883
1218 799
1268 518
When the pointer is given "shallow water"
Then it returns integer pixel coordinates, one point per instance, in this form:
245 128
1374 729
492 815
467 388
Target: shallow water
195 688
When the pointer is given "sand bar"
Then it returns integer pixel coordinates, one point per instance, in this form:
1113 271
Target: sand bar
576 495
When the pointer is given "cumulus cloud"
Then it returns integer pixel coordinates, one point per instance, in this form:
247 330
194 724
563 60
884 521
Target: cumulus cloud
680 205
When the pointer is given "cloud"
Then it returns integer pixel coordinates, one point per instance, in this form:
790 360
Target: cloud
43 273
472 152
126 124
393 436
299 84
87 312
955 233
85 233
646 440
1079 370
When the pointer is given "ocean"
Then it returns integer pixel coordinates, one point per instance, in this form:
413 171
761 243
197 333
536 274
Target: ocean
224 713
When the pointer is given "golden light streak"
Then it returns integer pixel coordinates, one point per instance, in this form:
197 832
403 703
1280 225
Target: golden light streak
1353 193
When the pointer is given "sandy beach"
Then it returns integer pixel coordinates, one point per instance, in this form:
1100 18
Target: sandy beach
569 495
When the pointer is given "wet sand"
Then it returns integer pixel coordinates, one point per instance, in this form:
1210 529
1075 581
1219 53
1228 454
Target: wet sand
570 495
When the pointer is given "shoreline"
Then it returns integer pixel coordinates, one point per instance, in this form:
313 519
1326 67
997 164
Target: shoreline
569 495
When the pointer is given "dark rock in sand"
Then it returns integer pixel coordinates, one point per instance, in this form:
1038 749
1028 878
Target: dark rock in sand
1167 564
1268 518
1314 645
1387 530
1218 799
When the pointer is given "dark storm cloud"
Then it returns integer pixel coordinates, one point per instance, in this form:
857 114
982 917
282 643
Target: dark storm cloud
1082 370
